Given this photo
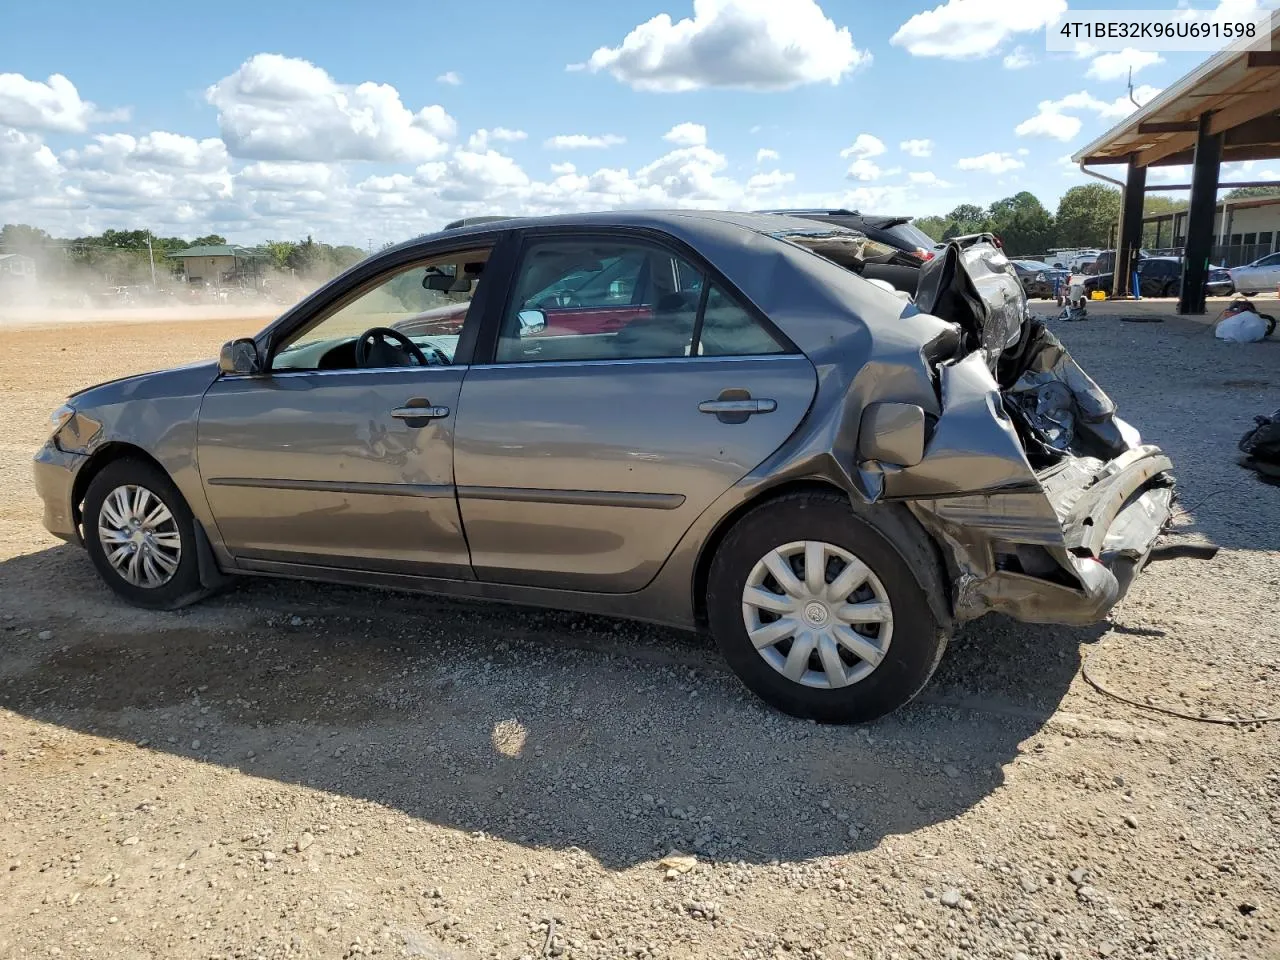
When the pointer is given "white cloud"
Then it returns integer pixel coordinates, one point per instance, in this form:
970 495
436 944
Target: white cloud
1116 66
743 44
581 141
282 108
864 145
1052 121
115 151
773 180
29 171
1023 152
1049 122
970 29
916 148
563 169
993 163
53 105
480 139
452 78
927 178
687 135
764 153
864 169
1018 58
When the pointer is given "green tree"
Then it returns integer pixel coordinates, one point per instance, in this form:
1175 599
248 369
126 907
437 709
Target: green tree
1086 215
22 238
1244 193
1159 206
212 240
933 226
279 251
1022 223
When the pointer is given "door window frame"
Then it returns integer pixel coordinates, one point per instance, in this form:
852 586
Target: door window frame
366 275
486 346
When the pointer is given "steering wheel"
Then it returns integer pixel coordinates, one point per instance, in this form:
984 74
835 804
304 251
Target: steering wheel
374 350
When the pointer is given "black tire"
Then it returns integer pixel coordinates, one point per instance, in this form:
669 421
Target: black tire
917 642
183 586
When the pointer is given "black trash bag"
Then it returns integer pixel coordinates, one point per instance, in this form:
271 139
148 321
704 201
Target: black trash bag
1260 447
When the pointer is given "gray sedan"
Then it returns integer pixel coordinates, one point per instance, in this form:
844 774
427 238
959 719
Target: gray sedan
708 420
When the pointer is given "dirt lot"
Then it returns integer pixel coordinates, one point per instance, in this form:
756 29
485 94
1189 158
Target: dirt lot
292 770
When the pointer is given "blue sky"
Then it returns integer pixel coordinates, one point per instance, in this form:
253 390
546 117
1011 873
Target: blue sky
278 119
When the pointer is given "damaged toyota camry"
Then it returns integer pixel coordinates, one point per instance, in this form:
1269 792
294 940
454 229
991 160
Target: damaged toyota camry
745 423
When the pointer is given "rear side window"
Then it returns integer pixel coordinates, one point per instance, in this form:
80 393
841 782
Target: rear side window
728 330
611 299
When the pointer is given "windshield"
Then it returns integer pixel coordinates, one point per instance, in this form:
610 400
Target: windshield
1033 265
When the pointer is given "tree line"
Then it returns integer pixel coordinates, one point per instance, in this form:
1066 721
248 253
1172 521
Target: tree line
1086 217
122 256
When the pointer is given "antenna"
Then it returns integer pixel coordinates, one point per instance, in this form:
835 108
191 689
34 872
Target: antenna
1131 97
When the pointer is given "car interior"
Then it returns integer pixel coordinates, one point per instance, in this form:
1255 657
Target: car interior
410 319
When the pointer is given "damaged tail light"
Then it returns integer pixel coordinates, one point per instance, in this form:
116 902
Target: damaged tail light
921 253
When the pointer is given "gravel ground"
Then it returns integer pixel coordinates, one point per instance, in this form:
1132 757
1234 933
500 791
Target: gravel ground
296 770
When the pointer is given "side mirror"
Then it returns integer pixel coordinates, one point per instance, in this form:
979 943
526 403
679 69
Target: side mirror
239 358
532 322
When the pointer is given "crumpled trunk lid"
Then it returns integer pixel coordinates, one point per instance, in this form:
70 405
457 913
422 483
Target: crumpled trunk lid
1047 501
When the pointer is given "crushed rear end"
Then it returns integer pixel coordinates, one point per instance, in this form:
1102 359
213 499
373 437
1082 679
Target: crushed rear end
1045 502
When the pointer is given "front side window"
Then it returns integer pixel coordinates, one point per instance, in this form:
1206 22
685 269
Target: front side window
423 306
603 299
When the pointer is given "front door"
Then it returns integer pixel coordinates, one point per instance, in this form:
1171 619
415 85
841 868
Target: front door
341 453
583 457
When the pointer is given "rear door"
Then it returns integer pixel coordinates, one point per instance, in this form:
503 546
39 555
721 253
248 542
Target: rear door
581 459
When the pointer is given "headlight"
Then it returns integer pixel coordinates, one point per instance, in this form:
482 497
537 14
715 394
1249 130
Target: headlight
1039 278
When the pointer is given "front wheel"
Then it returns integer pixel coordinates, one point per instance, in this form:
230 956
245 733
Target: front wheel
140 535
818 614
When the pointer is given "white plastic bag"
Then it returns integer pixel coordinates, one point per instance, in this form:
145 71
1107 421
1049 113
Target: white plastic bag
1243 327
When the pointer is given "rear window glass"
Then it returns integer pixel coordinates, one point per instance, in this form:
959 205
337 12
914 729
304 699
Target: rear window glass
913 236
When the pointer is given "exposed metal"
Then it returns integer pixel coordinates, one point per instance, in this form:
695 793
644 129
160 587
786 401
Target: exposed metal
817 614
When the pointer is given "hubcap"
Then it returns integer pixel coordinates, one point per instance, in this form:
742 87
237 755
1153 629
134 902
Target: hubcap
139 536
817 614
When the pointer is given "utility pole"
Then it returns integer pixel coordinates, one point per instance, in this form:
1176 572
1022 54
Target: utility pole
152 258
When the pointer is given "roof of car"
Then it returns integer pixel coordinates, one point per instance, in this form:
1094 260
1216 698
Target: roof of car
674 221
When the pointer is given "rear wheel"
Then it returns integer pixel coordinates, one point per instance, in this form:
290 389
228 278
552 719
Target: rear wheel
140 535
818 614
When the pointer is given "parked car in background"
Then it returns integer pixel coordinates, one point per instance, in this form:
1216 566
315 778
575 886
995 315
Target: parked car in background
770 446
896 232
1162 277
1105 262
1039 280
1263 274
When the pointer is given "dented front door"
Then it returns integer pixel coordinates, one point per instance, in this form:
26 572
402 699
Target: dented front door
330 467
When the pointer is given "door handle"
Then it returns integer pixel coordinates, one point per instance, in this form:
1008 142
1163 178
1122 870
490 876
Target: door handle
737 406
423 412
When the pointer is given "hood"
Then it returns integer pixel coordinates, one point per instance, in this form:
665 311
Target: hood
171 381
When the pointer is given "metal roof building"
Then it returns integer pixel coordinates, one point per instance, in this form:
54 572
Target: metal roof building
1227 109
